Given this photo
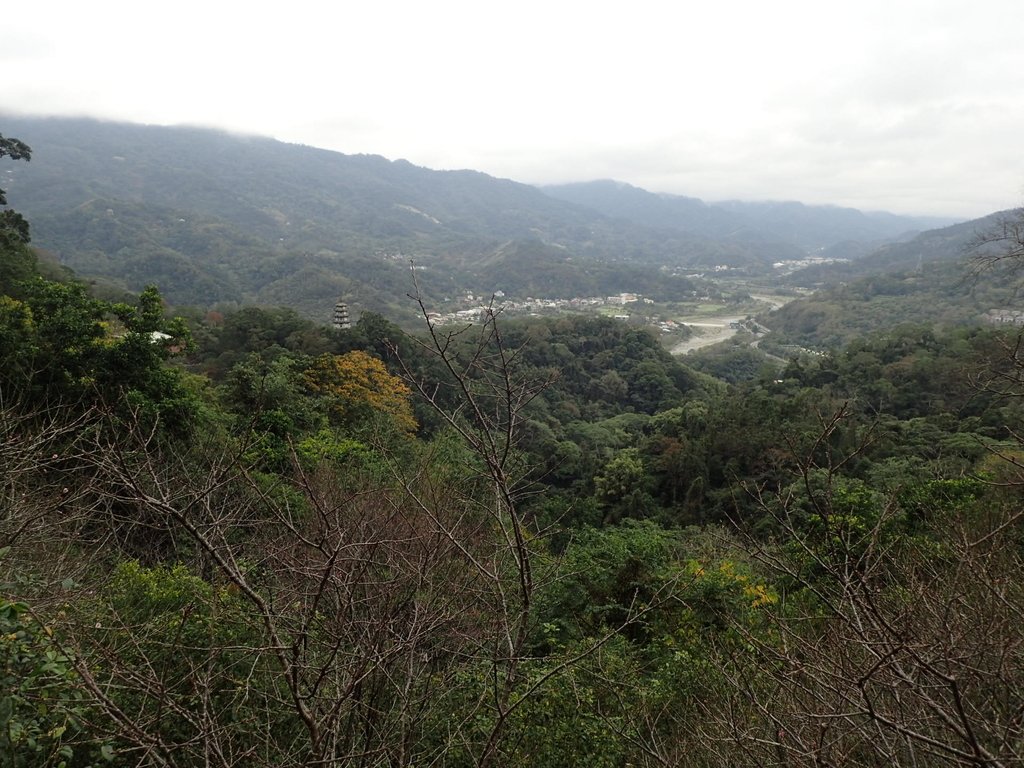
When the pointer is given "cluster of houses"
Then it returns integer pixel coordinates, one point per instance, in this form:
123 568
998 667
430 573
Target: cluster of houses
1004 317
532 306
788 266
669 326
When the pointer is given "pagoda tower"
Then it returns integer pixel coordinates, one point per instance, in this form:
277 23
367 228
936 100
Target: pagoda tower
341 316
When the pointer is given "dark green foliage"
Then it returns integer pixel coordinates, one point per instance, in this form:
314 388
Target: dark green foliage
177 621
266 332
534 268
43 709
733 362
608 573
938 279
16 150
14 229
61 344
278 567
56 335
17 263
604 366
925 504
269 398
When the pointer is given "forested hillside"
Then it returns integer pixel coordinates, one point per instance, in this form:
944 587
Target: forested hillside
776 226
221 219
945 277
249 539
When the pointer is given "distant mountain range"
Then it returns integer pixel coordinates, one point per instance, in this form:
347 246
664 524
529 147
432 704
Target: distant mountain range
936 279
214 218
811 228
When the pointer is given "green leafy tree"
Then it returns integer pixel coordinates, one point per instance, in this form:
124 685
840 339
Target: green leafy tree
14 231
622 487
269 397
62 344
43 704
16 150
184 657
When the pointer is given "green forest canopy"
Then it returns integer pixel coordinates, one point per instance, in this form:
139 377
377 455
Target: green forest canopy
218 550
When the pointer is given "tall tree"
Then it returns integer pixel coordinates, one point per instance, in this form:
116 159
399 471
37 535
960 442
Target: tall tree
17 262
16 150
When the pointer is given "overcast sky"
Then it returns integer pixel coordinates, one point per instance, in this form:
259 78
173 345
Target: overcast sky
900 105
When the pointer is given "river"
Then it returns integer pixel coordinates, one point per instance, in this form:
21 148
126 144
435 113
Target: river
712 330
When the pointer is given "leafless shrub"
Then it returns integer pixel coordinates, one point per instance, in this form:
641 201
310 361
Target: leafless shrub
886 648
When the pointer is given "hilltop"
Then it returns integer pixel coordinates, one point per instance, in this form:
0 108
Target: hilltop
216 218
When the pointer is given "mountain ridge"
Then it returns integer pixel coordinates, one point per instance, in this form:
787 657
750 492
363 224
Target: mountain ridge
216 217
812 227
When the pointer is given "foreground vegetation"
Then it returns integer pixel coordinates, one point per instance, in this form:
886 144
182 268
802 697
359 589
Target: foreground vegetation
257 541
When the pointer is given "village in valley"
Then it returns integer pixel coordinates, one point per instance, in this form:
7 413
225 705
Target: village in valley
474 306
693 322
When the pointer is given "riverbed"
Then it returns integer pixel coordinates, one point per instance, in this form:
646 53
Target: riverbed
718 328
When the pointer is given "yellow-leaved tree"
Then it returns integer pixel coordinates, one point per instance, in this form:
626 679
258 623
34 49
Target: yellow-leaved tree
357 385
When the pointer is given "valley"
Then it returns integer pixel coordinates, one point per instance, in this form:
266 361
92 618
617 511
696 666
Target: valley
218 221
714 325
685 498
